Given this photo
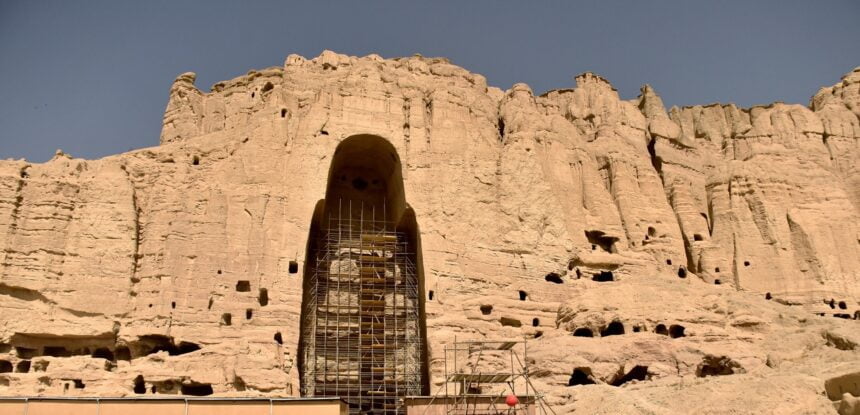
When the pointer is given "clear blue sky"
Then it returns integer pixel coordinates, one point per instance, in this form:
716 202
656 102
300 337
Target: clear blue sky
92 77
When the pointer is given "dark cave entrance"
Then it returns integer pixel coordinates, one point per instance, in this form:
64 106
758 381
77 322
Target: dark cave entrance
363 324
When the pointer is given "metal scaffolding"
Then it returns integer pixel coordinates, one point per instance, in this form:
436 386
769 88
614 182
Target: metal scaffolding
481 374
363 329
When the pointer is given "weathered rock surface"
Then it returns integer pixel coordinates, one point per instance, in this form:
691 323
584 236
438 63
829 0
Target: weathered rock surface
722 240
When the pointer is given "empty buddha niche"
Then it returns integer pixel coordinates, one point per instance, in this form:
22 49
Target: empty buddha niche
363 330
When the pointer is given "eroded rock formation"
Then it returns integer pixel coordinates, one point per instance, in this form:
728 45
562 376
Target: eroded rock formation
706 250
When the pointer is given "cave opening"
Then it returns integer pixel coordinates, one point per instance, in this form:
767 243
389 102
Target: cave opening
600 239
22 366
676 330
613 329
583 332
139 385
196 389
580 376
553 278
638 373
603 276
363 321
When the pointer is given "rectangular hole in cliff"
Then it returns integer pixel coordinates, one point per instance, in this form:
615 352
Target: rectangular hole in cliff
294 267
510 322
5 366
56 351
79 384
122 353
283 113
603 276
599 239
23 366
226 319
249 314
139 385
523 295
613 329
583 332
243 286
26 352
263 298
697 237
197 389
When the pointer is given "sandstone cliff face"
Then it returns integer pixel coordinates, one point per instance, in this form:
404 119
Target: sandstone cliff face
176 268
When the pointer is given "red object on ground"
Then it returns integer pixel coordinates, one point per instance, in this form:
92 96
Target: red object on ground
512 400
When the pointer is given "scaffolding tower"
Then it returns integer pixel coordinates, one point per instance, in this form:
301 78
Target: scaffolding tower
363 328
481 374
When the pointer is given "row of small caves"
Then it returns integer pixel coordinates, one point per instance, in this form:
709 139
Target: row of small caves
26 358
599 240
841 307
710 365
30 358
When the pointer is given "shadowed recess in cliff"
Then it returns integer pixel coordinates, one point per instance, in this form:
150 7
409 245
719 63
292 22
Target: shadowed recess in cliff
363 300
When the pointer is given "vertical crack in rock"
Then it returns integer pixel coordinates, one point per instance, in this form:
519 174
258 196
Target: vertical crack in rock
656 161
407 133
735 256
136 212
428 117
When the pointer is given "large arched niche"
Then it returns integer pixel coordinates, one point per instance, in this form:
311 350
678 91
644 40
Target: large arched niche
363 322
